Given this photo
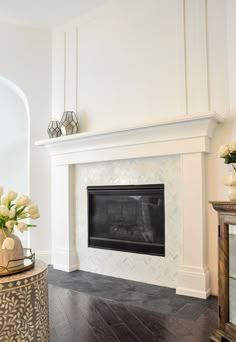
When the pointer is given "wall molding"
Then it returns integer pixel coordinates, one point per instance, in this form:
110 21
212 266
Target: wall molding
192 61
181 58
196 56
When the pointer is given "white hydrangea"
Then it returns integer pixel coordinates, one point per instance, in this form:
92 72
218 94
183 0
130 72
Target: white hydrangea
232 147
223 151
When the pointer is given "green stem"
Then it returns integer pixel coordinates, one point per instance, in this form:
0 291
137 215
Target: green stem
19 211
23 218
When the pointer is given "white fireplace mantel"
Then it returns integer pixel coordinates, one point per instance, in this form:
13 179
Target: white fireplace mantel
188 137
180 136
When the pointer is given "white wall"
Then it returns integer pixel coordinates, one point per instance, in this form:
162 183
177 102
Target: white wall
25 60
124 70
135 62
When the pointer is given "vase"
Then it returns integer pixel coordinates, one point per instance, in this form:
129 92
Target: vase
230 182
7 255
69 123
54 129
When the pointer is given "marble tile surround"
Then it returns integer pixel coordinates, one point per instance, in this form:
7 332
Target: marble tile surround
145 268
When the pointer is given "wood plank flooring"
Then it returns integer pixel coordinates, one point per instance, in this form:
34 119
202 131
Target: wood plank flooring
77 316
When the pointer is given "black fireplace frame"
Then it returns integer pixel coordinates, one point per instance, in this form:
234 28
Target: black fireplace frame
122 245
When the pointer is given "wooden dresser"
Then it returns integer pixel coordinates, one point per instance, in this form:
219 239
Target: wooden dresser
226 271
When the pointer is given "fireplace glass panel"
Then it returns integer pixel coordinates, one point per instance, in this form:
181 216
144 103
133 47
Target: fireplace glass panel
129 218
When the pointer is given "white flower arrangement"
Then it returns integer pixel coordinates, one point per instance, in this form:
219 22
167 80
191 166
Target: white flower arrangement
228 152
12 212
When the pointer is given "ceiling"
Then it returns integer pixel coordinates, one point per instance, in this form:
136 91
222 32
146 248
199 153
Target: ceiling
44 13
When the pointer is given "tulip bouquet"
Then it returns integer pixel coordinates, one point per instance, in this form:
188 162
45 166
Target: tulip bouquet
12 213
228 152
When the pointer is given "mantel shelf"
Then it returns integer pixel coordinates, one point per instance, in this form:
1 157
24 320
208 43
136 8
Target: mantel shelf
87 135
187 134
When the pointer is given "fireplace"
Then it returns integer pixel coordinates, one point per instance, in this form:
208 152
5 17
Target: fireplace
127 218
146 154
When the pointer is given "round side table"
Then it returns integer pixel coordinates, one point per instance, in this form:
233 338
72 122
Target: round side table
24 305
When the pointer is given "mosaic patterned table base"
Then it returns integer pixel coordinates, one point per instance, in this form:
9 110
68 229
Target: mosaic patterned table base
24 306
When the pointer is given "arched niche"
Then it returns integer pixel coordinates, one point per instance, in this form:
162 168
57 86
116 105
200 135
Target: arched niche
14 140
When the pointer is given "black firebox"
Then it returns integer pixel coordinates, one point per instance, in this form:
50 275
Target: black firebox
127 218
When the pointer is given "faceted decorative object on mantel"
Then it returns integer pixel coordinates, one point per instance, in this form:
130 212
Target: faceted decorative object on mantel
69 123
54 129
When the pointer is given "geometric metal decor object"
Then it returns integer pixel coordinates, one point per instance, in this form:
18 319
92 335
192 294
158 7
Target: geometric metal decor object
69 123
54 129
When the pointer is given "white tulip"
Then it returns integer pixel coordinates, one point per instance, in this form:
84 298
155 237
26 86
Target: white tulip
224 151
33 209
232 147
4 201
35 215
10 224
4 211
12 213
22 227
8 243
23 201
11 196
1 191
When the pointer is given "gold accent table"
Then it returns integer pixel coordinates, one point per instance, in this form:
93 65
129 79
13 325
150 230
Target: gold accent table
24 305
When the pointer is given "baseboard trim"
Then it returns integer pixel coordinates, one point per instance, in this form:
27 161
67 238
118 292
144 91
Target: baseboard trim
65 259
66 268
193 293
194 282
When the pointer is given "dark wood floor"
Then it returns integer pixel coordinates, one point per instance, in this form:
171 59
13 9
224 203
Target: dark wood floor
78 315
